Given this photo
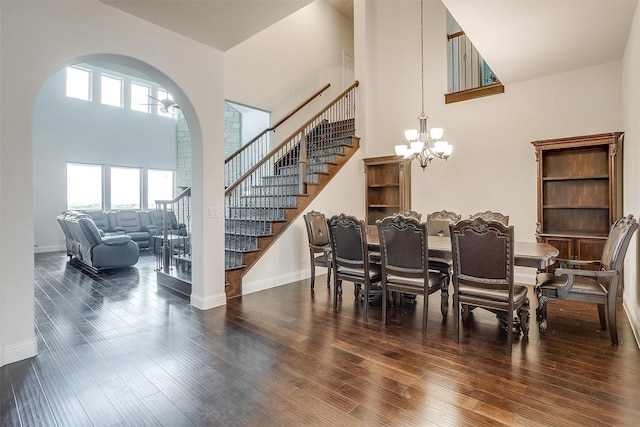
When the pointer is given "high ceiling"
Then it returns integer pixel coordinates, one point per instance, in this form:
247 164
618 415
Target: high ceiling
220 24
519 39
526 39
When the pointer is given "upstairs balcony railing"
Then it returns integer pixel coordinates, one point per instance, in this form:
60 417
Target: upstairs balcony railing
469 75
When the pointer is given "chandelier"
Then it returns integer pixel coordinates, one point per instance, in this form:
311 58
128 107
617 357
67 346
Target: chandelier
422 144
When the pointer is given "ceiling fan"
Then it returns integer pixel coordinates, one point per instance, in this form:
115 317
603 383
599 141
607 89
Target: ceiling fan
166 105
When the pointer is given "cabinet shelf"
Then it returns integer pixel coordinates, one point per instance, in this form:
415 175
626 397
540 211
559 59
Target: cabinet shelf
384 206
575 207
573 178
383 185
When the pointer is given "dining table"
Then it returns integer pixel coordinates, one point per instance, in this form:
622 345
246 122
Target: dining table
526 254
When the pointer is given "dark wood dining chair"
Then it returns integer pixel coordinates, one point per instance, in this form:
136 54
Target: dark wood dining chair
350 255
404 255
438 225
491 216
411 214
483 273
598 286
438 222
319 246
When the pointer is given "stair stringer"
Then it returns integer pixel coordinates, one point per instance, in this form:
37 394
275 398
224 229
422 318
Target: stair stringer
233 278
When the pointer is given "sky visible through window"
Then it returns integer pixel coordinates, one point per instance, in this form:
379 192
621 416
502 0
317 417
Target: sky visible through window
84 187
125 188
111 90
140 97
79 83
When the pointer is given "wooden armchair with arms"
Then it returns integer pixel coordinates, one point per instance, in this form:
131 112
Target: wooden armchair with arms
597 286
483 263
350 255
319 246
405 262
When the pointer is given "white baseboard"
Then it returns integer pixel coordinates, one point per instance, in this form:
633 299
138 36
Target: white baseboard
45 249
19 351
634 321
209 302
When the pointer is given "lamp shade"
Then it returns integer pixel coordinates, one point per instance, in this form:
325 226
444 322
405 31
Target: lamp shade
436 133
411 135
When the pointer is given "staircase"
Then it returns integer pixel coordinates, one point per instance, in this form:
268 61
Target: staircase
266 199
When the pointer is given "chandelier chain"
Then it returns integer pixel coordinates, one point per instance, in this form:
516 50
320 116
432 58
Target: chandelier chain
422 50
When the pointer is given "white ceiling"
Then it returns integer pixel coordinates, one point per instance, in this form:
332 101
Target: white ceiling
220 24
526 39
519 39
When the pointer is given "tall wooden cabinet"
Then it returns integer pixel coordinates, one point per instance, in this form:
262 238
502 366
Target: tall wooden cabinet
387 187
579 192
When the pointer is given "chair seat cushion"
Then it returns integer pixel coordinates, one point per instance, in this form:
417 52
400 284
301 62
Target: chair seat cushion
358 273
435 280
549 283
519 293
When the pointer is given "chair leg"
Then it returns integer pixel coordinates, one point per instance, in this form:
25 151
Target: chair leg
329 275
444 298
365 303
425 311
509 331
336 290
456 323
613 327
313 273
385 299
523 314
602 316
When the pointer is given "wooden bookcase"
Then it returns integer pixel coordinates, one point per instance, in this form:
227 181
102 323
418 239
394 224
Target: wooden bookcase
387 187
579 192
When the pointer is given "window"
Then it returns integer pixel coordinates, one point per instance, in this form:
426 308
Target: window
125 188
84 187
159 186
162 109
79 83
140 97
111 90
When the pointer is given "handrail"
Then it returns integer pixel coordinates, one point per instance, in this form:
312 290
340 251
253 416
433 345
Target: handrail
186 192
286 140
272 128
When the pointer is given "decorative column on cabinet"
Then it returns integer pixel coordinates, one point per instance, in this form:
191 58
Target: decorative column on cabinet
387 187
579 192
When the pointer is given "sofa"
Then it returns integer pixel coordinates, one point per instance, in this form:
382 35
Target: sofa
92 248
136 224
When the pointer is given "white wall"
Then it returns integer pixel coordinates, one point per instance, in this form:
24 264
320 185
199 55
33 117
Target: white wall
282 66
276 70
72 130
36 39
631 120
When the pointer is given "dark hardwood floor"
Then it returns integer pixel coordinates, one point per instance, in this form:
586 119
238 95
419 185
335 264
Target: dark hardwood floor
114 349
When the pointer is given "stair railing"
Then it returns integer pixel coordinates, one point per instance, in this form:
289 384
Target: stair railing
176 232
253 151
262 194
